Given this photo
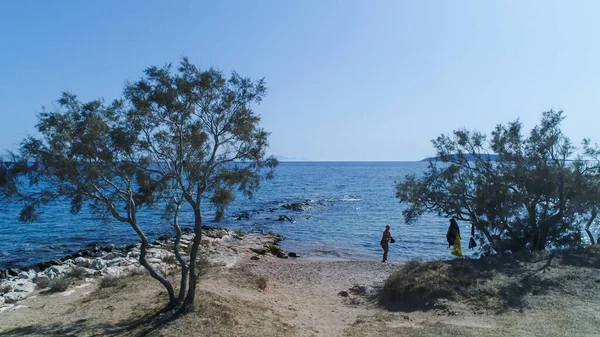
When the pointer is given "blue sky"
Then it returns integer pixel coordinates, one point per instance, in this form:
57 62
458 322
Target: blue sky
348 80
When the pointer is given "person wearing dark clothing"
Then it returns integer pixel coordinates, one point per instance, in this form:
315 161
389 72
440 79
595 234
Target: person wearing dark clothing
385 239
453 230
453 237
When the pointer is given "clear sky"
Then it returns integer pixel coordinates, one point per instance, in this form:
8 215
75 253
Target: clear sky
348 80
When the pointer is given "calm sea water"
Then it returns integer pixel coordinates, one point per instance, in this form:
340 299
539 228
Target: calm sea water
347 205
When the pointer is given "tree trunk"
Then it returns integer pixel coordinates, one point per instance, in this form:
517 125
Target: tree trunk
589 223
184 266
545 226
143 252
188 303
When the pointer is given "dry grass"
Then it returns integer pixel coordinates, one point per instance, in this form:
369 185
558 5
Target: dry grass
496 283
41 282
261 282
202 265
216 315
59 284
418 285
111 282
77 273
169 259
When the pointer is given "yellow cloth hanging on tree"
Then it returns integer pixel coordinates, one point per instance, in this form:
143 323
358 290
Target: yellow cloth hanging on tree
456 250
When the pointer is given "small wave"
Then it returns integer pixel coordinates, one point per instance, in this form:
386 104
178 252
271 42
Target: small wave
350 199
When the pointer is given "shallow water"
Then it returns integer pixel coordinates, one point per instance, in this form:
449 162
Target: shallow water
346 206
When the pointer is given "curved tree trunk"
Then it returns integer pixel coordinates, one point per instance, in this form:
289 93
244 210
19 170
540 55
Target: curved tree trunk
143 252
188 303
182 263
587 226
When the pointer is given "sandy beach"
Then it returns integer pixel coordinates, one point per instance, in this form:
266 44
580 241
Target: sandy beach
247 294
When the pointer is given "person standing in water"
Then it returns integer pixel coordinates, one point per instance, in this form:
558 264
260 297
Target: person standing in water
385 239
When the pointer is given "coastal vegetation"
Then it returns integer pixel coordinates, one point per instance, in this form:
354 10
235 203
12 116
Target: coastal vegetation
176 138
537 192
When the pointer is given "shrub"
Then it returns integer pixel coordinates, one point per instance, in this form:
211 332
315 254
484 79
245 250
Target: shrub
203 265
42 282
418 285
59 284
5 289
261 282
77 273
169 259
111 281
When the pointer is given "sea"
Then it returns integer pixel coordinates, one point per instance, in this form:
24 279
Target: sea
324 210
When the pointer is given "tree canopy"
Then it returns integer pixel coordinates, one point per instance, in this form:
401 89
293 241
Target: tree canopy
535 193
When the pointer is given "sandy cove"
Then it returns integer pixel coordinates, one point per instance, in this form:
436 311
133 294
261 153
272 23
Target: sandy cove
245 293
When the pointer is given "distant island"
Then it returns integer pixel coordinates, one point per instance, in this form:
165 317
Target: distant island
469 157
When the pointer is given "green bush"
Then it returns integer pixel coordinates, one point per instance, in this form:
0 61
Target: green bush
59 284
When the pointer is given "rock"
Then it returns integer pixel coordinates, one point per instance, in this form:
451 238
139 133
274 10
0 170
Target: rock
275 237
130 247
47 264
13 272
292 254
213 232
109 248
260 251
3 274
154 261
286 218
275 250
113 255
98 264
254 257
16 290
23 275
13 297
159 254
23 286
133 254
57 270
119 262
2 301
297 206
343 293
82 262
164 238
243 216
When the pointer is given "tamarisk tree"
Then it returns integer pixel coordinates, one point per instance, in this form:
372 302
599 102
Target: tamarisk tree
200 130
177 138
85 155
518 192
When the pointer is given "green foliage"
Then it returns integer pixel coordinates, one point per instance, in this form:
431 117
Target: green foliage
532 195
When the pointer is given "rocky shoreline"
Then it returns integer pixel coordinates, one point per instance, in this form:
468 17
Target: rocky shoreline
221 247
